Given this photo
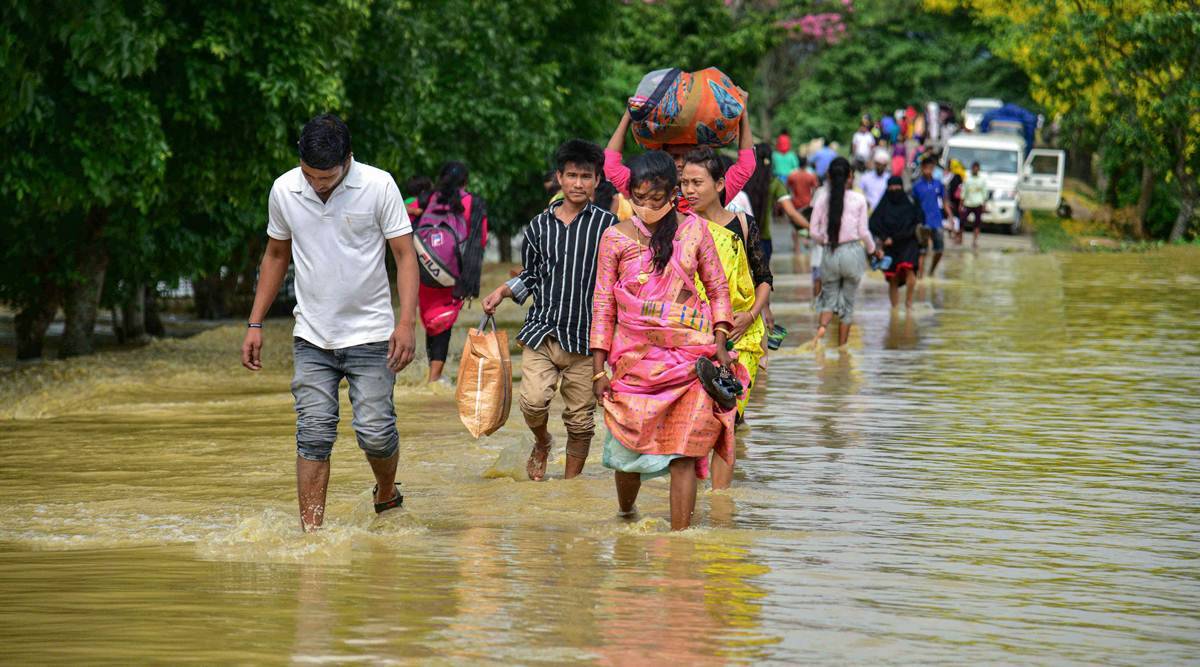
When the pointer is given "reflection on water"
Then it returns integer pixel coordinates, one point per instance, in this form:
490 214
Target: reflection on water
1007 473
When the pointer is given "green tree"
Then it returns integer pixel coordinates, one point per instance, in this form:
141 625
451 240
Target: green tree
497 85
893 53
1128 68
235 84
86 154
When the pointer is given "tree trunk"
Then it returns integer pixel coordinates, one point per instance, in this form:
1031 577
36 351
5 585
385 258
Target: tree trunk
210 298
133 316
1187 210
81 299
80 305
31 324
1189 192
1144 197
1081 158
154 325
504 240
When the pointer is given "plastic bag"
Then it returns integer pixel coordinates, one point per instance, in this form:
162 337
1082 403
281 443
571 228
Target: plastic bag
676 107
484 392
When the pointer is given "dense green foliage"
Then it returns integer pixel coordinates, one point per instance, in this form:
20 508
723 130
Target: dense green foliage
896 54
1122 77
143 137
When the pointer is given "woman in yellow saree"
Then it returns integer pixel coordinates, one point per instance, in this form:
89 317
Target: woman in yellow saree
702 181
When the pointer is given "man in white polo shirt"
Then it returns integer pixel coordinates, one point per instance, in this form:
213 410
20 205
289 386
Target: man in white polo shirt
334 216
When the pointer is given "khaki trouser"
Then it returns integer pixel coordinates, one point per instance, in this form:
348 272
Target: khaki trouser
549 368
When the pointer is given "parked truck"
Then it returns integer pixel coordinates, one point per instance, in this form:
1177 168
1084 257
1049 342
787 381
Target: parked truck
1018 179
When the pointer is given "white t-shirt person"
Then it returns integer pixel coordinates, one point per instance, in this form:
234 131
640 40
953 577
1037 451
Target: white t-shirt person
338 246
863 142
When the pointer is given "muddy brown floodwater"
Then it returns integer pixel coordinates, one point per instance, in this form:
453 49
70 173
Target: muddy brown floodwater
1007 475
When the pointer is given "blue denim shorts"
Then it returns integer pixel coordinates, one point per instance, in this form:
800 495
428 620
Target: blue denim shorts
315 386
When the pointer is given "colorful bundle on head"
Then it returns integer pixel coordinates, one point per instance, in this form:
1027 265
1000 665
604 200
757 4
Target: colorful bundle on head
675 107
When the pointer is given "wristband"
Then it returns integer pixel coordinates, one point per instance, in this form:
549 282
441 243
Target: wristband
599 375
254 325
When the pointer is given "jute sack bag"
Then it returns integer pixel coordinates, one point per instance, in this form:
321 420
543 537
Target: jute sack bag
484 392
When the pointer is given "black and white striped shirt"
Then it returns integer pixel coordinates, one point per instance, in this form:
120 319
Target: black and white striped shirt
560 275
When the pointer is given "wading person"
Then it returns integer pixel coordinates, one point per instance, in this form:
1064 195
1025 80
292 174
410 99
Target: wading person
657 335
839 223
895 222
336 218
931 197
559 258
874 182
453 219
975 196
702 183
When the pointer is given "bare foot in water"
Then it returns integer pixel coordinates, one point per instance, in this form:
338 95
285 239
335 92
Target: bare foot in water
535 467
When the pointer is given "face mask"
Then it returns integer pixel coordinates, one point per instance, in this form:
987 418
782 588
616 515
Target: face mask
895 196
652 215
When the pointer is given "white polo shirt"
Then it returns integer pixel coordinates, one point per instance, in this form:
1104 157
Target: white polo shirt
338 247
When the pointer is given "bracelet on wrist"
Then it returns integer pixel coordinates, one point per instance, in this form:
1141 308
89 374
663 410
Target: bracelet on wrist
599 375
254 325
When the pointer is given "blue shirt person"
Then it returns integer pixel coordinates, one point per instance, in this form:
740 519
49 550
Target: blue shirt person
930 194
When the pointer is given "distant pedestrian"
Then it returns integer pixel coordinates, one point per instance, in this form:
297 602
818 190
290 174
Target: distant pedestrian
975 196
874 182
931 196
783 159
418 189
895 222
821 159
954 193
862 145
839 222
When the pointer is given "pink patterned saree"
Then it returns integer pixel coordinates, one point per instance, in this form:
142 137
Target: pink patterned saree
654 328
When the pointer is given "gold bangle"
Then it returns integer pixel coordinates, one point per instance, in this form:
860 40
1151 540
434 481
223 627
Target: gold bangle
721 330
599 375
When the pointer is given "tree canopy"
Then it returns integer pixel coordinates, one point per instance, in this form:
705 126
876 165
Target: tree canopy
143 137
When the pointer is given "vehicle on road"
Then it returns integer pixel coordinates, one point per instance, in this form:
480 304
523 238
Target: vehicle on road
1016 181
976 107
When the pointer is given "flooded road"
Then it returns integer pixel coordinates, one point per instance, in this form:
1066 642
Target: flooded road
1009 474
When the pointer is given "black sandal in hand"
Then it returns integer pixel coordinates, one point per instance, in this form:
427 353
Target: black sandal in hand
720 383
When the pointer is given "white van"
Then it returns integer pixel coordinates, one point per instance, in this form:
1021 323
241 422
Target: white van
1014 184
976 107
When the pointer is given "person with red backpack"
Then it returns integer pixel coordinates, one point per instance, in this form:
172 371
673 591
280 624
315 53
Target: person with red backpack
450 237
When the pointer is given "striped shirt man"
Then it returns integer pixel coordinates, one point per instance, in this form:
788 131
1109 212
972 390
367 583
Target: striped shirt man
560 274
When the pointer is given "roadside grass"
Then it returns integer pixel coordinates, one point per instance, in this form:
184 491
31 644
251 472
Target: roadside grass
1054 234
1048 232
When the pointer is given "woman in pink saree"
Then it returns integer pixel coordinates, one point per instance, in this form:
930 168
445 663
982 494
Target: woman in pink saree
651 328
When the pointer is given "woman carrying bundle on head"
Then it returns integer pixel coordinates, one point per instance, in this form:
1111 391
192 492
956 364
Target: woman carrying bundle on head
839 223
657 335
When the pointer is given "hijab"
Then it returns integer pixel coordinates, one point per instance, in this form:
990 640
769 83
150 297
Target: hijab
895 211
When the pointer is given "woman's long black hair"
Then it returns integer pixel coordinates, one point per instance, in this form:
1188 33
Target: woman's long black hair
758 188
451 179
839 172
657 169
